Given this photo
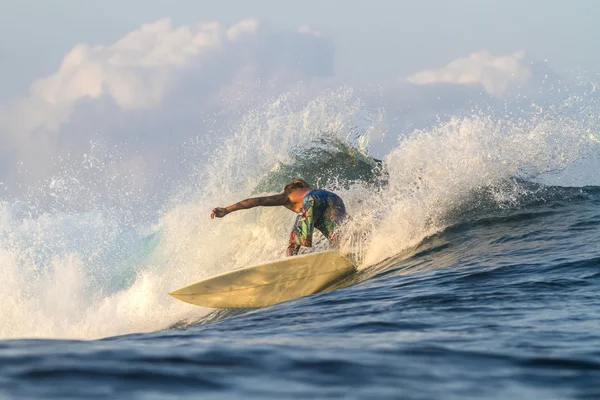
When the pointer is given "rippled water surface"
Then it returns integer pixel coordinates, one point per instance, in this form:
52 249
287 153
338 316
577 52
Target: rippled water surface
501 306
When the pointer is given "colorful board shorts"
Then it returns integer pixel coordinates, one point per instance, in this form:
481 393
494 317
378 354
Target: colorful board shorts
322 210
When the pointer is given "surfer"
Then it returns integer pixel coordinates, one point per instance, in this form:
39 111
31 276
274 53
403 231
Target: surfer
319 209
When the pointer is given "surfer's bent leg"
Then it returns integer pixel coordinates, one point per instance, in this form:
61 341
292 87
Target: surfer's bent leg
334 216
303 228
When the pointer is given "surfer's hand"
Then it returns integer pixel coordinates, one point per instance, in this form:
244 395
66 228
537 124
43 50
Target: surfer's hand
218 212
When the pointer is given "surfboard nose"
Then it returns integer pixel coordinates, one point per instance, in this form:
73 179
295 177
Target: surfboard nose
180 293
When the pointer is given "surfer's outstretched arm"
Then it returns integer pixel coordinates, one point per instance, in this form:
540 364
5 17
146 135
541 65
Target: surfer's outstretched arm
281 199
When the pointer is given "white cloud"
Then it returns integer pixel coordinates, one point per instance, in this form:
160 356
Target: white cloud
156 86
497 75
246 27
137 70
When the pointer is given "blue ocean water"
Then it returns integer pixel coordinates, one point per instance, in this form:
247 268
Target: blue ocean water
504 306
478 277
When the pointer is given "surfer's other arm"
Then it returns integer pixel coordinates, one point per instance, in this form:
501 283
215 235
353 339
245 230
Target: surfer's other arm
281 199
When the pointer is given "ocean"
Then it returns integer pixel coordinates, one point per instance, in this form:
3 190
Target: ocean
476 235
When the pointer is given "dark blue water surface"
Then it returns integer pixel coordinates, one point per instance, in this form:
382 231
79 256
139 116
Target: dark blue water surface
498 306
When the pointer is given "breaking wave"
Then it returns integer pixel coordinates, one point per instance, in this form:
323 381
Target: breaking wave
88 269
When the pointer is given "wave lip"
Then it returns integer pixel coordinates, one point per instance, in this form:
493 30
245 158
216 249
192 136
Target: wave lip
84 269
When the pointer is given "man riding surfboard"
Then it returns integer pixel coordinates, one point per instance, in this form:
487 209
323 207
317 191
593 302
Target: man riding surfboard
319 209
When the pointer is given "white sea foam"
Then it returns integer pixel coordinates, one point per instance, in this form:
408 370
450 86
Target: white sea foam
93 272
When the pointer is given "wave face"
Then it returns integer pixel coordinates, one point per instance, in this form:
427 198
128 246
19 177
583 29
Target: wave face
477 241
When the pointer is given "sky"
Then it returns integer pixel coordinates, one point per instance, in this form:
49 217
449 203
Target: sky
147 76
384 37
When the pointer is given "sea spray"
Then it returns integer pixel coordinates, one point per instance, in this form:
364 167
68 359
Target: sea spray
95 269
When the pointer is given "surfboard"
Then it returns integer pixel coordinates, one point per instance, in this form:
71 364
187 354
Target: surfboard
269 283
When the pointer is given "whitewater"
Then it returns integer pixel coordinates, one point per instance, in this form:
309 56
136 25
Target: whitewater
476 236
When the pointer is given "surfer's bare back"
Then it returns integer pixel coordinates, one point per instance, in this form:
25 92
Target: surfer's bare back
315 208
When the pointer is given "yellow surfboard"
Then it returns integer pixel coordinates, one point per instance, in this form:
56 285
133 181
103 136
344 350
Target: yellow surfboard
268 283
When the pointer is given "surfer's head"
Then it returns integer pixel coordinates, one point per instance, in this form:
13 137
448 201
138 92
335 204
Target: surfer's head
295 185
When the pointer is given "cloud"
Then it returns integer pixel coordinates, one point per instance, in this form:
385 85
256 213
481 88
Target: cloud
138 70
157 86
497 75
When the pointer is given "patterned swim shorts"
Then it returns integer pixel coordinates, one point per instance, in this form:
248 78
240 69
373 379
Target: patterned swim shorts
322 210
